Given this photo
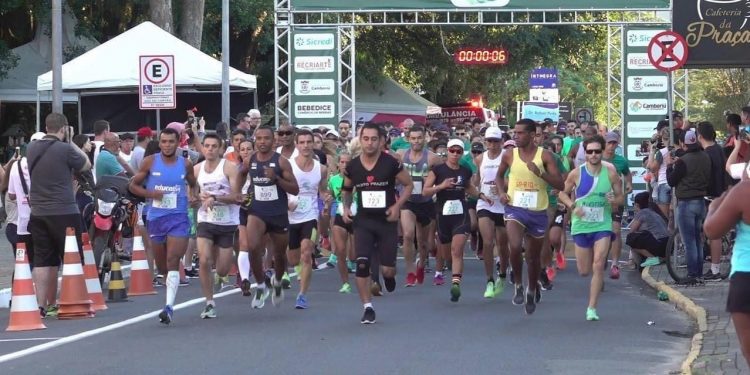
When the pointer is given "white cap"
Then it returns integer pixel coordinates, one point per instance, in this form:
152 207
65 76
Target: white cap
493 132
334 132
37 136
456 142
253 112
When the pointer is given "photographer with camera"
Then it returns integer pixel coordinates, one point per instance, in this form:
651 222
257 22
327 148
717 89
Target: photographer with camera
657 154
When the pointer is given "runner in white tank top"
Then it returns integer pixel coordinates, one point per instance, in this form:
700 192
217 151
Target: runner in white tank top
303 210
218 217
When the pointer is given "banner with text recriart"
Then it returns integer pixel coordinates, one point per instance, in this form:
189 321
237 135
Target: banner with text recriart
490 4
313 90
645 93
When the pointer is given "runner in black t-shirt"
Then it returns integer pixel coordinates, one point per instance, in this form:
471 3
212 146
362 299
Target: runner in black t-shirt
374 175
451 182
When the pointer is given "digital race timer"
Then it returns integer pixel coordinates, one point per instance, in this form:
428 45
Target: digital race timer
481 56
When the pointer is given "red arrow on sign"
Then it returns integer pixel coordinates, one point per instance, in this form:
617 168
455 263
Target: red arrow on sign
667 51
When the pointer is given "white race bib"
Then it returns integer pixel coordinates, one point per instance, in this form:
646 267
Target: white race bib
417 187
304 203
266 193
219 214
168 201
453 207
525 199
373 199
489 190
593 214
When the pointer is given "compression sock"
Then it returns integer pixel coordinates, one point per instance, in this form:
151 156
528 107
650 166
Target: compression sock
243 264
456 278
390 283
173 282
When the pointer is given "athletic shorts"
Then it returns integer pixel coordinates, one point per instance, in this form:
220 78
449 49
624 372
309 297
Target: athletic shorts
424 211
174 225
376 236
243 217
535 222
663 194
452 225
559 218
221 235
617 214
646 241
498 219
472 204
278 224
738 297
301 231
338 221
49 234
587 240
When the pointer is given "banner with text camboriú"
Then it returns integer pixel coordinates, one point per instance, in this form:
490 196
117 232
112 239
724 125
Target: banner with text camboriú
491 4
314 88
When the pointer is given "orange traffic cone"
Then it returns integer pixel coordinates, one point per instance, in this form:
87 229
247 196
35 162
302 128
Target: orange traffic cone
141 279
74 300
24 310
92 276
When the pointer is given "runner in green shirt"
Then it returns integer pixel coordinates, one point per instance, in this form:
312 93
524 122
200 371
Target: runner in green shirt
342 232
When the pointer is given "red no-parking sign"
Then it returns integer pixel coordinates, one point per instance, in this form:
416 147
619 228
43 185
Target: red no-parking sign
667 51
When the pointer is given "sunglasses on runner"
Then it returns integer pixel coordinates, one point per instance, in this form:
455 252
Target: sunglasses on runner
455 151
283 133
591 152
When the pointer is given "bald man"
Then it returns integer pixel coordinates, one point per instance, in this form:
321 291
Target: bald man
109 162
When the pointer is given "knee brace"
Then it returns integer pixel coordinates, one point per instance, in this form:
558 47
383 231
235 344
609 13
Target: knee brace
363 267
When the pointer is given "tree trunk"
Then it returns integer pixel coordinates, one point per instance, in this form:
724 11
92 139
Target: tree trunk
191 24
161 14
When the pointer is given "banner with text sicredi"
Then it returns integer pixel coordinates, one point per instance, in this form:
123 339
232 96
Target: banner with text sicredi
717 32
490 4
645 93
314 89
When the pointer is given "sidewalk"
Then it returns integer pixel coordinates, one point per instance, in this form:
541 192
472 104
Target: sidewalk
7 260
715 348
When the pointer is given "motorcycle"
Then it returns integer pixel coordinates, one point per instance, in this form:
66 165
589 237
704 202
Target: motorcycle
113 216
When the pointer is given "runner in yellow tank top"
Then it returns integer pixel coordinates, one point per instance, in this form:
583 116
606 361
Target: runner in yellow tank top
524 193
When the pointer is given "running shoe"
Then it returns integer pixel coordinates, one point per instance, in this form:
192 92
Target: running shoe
411 279
51 311
375 289
561 261
499 286
332 259
489 291
538 294
165 316
286 282
369 316
157 282
278 292
551 273
530 306
208 312
652 261
301 302
439 279
346 288
518 295
245 286
267 278
591 315
510 277
455 292
614 272
185 282
192 273
710 276
259 300
42 312
350 266
420 275
544 281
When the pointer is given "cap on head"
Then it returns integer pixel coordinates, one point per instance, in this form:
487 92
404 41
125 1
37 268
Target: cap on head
493 132
690 137
253 112
456 143
145 132
333 133
612 137
37 136
509 143
180 127
477 147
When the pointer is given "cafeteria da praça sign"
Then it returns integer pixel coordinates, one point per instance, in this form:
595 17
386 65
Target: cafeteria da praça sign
717 32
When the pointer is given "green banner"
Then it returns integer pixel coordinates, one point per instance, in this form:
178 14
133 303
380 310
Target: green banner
478 4
314 88
645 91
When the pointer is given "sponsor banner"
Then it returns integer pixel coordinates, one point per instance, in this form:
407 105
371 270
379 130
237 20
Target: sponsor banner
540 111
314 41
717 32
633 153
646 107
640 129
647 84
544 95
314 110
638 173
640 38
543 78
639 61
305 87
314 64
491 4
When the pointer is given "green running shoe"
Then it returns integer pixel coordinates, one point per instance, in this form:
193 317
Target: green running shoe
286 282
490 291
499 286
591 315
209 312
346 289
52 310
455 292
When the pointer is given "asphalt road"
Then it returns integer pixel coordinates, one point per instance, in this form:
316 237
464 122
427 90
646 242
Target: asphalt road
418 331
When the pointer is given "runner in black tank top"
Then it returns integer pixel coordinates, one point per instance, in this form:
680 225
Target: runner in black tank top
374 175
271 178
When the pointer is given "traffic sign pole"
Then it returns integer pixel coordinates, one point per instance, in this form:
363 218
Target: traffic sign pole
670 104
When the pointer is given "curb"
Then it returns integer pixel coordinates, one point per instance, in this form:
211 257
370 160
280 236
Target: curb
697 313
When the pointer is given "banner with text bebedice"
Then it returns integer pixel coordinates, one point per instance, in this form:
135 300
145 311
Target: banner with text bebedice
500 5
717 32
314 88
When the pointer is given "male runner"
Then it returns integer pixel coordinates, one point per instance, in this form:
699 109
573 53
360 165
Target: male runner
374 174
303 210
490 212
218 217
524 193
167 177
623 170
418 213
591 221
272 179
451 182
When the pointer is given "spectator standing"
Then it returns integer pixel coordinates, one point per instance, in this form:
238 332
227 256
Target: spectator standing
108 163
126 146
101 129
19 183
254 119
741 151
733 121
143 137
85 180
52 161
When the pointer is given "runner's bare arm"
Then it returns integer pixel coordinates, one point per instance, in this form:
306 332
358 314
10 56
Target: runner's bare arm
619 198
136 183
570 183
476 177
429 189
323 185
552 175
724 212
500 181
231 170
287 181
404 179
572 154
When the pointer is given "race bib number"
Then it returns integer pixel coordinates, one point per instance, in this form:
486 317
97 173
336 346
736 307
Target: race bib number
304 204
219 214
167 201
373 199
593 214
266 193
417 187
453 207
489 190
525 199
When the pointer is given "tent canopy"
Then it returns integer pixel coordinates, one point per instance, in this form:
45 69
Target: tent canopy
115 63
391 97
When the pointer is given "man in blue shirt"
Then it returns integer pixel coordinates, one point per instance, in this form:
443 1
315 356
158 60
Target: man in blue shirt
107 163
